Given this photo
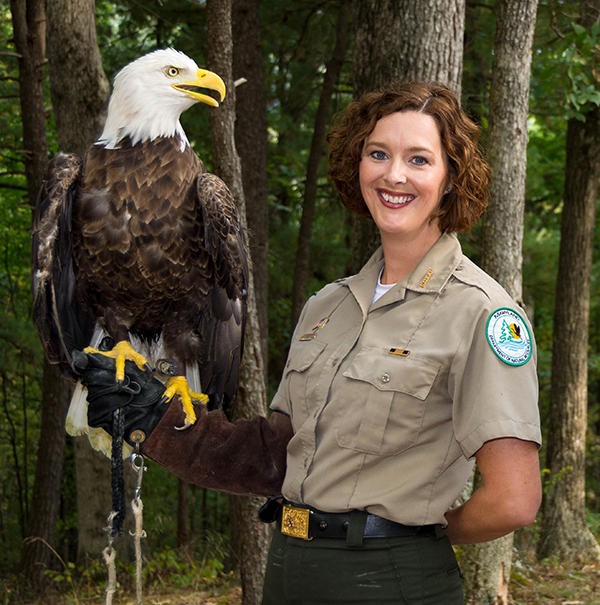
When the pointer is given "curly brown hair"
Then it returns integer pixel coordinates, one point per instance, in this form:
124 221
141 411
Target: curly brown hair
466 202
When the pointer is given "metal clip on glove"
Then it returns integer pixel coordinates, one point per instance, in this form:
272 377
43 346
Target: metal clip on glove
139 396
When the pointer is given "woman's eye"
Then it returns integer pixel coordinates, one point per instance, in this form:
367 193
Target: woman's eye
419 161
378 155
172 72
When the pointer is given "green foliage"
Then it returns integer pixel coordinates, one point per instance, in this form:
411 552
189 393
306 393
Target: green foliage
164 569
209 510
583 57
549 481
173 568
566 66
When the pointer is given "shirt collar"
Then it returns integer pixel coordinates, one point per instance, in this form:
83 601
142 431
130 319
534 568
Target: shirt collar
436 267
429 276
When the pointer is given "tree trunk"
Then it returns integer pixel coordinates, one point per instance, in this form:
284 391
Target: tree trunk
79 91
507 144
252 144
402 40
78 85
183 518
45 498
250 538
29 31
408 40
487 573
332 74
565 533
487 566
94 503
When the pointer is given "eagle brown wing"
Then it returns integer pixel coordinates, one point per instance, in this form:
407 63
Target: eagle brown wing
124 247
62 321
217 336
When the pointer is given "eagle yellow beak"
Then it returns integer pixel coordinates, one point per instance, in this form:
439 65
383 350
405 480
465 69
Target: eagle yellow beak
204 79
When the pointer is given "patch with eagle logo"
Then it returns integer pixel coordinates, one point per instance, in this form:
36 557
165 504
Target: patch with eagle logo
509 336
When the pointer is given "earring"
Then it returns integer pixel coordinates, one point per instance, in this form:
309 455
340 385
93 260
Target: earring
448 190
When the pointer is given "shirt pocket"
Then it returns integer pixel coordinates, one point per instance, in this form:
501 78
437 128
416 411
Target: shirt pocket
384 401
302 379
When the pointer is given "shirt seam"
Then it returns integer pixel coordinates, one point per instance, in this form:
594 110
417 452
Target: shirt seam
479 427
438 475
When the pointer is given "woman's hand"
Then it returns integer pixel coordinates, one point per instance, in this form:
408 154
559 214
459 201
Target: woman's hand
509 498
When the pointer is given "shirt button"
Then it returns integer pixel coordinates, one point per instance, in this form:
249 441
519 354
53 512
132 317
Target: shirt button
385 378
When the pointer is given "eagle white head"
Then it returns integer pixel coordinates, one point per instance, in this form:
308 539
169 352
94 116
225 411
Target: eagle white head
151 93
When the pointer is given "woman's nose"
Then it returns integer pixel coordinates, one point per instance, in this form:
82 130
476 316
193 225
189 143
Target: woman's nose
396 174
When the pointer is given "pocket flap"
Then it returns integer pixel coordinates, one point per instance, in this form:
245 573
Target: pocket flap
413 375
303 355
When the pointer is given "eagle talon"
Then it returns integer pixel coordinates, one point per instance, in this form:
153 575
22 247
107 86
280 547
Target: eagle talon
186 426
121 352
178 385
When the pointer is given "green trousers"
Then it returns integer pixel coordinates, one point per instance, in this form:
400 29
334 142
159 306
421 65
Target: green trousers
416 570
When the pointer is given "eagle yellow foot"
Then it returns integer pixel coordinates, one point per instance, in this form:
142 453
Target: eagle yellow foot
178 385
120 353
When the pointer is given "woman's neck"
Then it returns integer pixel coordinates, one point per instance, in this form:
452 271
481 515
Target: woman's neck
402 257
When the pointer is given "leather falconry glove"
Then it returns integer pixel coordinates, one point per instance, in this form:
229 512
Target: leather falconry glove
139 396
242 457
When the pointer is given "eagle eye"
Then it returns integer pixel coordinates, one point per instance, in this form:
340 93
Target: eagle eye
172 72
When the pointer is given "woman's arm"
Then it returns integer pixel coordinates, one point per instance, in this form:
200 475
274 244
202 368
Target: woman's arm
243 457
509 497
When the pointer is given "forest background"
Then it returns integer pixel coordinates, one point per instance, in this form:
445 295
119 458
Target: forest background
188 528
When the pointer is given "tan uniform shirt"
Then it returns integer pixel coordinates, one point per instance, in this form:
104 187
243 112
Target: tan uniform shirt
390 402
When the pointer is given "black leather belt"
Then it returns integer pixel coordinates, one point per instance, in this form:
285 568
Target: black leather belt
300 522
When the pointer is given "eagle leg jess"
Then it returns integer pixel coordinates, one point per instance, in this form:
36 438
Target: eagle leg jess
120 353
178 385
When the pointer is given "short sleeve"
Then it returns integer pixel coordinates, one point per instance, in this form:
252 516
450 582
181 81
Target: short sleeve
493 397
280 403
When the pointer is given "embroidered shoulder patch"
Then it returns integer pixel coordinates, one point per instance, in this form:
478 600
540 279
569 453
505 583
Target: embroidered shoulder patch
509 336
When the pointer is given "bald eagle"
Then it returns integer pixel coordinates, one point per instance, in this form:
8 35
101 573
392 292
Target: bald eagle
137 242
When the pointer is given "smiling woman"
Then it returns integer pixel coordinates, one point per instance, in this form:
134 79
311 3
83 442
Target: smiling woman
468 170
397 380
403 175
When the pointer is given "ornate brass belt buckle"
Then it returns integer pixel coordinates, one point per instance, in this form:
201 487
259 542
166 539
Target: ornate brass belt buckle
294 522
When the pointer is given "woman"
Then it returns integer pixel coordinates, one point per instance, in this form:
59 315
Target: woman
397 380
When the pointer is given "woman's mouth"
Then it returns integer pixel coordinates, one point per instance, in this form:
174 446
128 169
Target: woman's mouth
396 200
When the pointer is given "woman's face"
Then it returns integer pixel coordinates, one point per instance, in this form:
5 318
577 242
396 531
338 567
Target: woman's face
403 176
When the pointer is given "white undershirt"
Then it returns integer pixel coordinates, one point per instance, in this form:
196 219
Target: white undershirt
380 289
